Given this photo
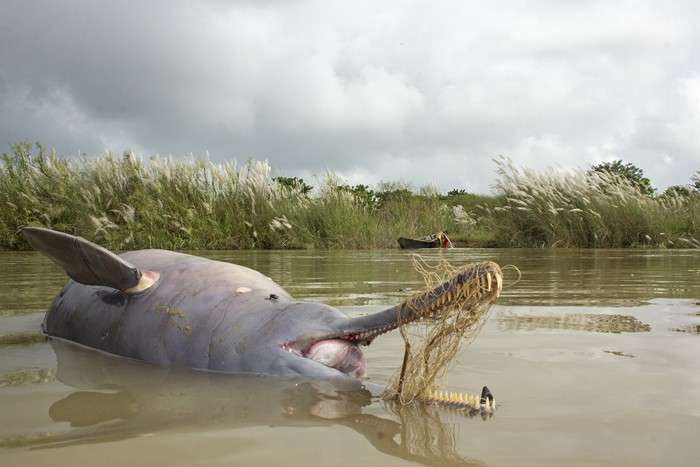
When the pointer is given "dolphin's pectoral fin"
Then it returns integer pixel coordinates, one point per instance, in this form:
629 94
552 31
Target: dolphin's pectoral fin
88 263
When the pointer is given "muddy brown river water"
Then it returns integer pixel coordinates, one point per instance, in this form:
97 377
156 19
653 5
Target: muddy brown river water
594 359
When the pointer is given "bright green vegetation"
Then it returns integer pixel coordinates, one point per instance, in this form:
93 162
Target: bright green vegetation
128 203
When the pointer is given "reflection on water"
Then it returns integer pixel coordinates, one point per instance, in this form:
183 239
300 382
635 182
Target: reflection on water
117 399
374 277
691 329
549 277
28 376
618 353
22 338
575 322
584 354
28 282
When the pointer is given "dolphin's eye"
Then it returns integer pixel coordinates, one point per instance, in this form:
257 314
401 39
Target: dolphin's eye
273 297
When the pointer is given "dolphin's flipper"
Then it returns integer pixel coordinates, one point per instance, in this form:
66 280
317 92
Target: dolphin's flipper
82 260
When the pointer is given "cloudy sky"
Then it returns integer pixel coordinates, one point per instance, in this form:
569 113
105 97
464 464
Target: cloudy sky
425 92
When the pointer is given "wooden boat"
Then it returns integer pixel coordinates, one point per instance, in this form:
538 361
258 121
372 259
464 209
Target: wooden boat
412 243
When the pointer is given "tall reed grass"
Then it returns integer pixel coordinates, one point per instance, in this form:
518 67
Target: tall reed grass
130 202
586 209
133 202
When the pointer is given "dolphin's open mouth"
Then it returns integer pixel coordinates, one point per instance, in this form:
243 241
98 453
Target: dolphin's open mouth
340 350
339 354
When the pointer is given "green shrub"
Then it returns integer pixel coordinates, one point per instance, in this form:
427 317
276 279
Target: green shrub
129 202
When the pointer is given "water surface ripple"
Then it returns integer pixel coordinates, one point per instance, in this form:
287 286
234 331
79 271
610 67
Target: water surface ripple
592 356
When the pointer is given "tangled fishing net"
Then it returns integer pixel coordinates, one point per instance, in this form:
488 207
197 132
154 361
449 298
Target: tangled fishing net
452 312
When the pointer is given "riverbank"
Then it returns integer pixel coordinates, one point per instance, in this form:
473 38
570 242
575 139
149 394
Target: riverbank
130 202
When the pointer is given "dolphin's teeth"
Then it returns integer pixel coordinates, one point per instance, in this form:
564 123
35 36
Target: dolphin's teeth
488 281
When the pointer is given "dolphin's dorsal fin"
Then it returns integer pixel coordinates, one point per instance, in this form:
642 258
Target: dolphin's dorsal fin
84 261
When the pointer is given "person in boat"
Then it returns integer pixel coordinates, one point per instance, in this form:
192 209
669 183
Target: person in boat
445 241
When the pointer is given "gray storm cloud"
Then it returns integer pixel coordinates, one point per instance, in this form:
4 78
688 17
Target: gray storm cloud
427 92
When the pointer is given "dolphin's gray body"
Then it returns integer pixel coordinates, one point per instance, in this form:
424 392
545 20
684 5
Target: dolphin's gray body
198 313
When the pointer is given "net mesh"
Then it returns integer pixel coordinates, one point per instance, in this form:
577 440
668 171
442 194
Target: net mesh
433 342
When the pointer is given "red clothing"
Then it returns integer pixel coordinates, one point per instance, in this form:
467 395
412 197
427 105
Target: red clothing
444 241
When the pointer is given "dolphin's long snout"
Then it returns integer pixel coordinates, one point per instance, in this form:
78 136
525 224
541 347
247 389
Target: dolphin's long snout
481 281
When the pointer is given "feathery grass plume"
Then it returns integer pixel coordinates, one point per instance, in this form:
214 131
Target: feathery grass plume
132 202
465 297
585 209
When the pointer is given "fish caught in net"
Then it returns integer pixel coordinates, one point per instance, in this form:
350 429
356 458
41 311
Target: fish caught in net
452 310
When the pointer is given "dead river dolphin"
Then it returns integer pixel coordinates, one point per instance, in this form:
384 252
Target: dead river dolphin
178 310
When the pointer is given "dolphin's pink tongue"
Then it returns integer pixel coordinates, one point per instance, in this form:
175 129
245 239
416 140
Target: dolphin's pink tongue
339 354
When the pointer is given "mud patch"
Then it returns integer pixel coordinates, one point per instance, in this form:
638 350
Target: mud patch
178 317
